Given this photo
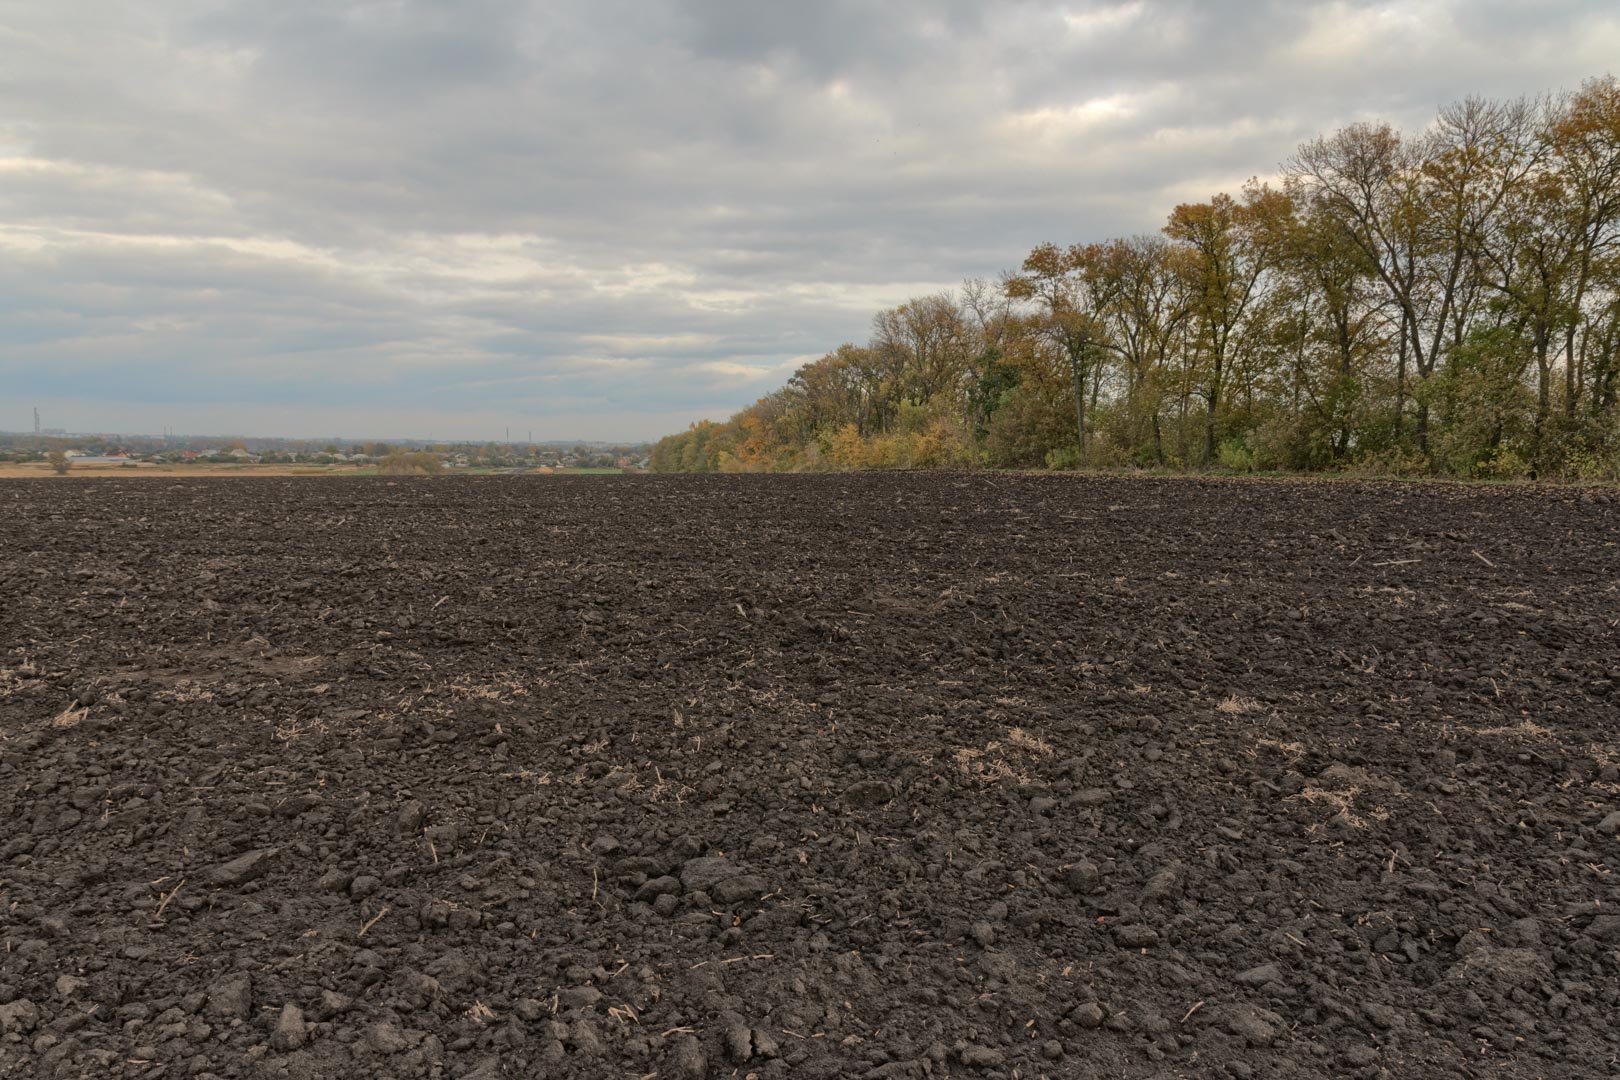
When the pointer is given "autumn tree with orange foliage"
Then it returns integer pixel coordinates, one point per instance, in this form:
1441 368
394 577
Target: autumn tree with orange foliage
1446 301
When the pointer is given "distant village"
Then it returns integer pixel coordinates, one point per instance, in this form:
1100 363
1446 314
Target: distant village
106 450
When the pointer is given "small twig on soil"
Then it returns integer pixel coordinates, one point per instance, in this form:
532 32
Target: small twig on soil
1195 1007
676 1031
435 852
373 922
1295 940
1397 562
1484 560
157 916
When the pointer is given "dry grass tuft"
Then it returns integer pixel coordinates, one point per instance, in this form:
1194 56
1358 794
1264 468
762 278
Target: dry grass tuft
503 689
665 789
69 717
1344 802
1605 754
1237 705
986 767
186 691
1025 741
1291 750
296 727
14 680
998 760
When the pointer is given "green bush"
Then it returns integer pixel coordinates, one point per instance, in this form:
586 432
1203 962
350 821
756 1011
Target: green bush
1592 466
1235 455
1026 425
1503 463
1063 457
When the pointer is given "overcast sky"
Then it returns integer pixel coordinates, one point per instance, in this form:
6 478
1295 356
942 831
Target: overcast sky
605 218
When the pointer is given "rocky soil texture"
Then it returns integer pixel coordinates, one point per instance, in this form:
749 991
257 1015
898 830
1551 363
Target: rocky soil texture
879 776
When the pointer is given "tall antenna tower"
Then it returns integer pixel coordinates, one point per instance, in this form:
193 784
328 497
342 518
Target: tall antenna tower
36 419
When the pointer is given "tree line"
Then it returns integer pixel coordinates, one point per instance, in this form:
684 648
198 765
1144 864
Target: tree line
1444 301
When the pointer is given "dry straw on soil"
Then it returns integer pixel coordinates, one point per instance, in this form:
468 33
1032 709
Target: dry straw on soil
998 760
70 716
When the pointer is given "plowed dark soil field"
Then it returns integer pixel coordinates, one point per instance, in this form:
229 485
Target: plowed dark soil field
879 776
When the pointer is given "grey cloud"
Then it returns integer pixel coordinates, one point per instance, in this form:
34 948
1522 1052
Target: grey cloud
616 214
